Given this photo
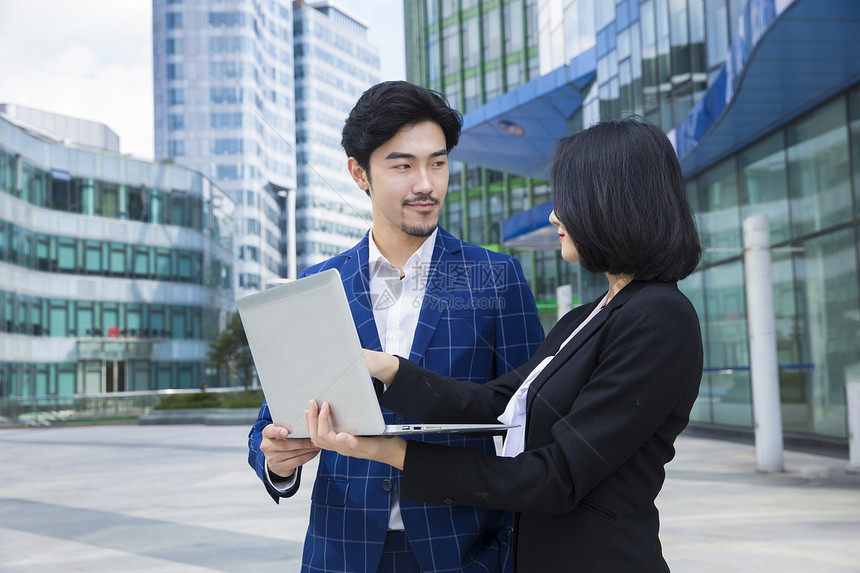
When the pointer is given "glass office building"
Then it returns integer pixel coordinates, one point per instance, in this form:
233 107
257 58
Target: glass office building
224 106
473 52
334 65
115 273
761 100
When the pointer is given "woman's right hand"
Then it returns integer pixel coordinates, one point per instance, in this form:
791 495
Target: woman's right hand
382 366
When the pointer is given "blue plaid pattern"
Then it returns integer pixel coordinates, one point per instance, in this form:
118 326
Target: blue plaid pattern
478 321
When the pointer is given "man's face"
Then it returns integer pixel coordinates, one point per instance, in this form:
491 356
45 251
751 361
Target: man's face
407 179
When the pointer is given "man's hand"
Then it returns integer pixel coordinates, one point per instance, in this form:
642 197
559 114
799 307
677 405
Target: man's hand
391 451
285 454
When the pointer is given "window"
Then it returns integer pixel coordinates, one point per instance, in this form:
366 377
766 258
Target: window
175 121
228 146
450 51
226 120
471 44
716 18
175 96
819 169
726 347
513 27
496 215
179 214
174 71
827 292
471 93
227 19
225 95
228 45
110 200
227 172
226 70
763 185
93 257
174 46
176 148
718 201
117 259
252 226
174 20
476 220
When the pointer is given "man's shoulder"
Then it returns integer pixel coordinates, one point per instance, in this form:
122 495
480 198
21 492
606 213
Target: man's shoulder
473 252
336 262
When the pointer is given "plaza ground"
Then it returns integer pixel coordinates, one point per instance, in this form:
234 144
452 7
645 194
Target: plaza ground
177 498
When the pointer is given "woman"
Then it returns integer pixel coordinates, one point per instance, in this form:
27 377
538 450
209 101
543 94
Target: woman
603 399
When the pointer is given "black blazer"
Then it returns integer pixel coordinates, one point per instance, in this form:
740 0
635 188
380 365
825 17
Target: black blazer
601 422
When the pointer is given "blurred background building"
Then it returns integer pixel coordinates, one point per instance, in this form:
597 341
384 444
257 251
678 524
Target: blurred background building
253 95
335 64
760 98
115 273
225 106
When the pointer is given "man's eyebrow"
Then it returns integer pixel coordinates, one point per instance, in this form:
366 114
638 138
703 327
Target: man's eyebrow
402 155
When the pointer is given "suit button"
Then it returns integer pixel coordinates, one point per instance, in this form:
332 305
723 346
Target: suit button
448 501
386 484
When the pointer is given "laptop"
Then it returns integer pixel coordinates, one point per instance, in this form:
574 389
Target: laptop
305 346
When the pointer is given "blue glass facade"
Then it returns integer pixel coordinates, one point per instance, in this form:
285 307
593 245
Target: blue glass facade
115 273
761 99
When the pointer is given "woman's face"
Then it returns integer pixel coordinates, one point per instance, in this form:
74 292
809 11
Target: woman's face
568 249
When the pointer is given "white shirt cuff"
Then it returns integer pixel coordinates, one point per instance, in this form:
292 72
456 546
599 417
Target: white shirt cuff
282 486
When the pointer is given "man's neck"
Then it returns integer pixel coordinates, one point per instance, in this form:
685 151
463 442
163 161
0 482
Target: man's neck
396 247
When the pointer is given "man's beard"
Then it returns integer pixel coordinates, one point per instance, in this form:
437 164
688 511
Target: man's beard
419 230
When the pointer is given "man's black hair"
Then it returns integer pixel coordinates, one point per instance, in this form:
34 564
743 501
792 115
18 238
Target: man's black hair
387 107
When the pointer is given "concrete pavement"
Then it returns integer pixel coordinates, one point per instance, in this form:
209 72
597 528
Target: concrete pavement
182 498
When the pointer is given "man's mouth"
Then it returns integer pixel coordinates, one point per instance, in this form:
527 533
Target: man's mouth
421 205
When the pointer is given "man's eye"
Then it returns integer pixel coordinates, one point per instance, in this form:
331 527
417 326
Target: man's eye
401 167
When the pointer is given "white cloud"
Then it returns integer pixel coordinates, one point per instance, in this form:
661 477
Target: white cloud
92 59
85 58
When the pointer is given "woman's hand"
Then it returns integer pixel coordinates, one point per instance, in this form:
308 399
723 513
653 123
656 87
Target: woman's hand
382 366
391 451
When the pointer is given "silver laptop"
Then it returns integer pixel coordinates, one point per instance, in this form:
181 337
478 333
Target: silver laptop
305 346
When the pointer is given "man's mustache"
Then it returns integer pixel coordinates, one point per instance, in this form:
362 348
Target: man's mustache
422 199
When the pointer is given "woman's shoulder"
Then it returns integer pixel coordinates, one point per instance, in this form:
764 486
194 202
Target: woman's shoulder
659 301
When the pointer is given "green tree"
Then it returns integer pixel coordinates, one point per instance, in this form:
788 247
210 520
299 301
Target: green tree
230 350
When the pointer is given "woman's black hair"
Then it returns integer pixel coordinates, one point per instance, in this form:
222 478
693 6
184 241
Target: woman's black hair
385 108
620 194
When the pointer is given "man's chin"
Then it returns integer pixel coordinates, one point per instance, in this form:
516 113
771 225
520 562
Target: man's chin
422 231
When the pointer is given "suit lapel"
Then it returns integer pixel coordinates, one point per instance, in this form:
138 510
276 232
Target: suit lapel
356 283
581 338
441 278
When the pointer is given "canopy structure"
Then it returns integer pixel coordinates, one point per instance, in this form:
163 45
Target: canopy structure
787 58
517 131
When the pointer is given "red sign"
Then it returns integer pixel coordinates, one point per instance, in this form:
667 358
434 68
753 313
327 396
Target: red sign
113 332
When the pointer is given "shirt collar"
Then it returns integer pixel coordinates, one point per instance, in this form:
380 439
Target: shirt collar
420 259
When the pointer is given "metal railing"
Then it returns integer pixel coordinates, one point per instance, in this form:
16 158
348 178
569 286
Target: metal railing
79 408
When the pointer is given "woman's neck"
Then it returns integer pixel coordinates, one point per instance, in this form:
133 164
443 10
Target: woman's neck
616 283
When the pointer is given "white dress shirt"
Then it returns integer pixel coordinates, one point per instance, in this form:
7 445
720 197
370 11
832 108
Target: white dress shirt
396 301
515 412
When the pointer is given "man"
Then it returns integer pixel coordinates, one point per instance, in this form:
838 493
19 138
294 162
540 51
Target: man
416 291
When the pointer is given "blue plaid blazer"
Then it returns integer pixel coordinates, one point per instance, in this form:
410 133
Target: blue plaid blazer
478 321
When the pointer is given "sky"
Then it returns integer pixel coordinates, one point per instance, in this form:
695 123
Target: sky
92 59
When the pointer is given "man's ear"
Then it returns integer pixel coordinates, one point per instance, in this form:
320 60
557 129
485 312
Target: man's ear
359 175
